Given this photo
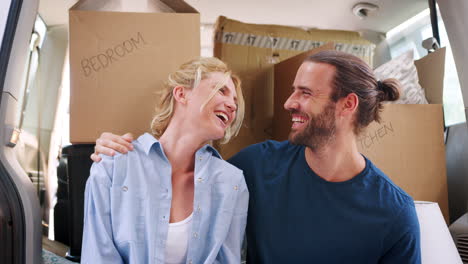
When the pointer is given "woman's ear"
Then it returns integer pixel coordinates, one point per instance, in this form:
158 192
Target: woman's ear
180 94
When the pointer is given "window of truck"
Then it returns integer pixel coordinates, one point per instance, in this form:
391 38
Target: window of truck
410 35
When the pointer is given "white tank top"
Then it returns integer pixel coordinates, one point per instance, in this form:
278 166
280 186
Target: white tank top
177 241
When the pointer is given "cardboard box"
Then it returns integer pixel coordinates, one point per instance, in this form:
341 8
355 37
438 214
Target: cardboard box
408 144
119 61
250 50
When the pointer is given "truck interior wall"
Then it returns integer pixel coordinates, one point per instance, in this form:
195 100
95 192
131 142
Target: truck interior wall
456 148
456 22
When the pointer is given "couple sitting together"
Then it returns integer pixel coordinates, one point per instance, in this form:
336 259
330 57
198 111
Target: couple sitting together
169 197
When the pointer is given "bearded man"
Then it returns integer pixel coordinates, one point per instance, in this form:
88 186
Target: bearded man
315 198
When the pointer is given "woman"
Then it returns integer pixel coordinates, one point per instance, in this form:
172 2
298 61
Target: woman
173 199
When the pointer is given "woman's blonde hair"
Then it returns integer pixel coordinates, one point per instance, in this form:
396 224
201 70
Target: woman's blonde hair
189 76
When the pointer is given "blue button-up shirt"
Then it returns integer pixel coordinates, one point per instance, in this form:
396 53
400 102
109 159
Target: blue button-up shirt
128 202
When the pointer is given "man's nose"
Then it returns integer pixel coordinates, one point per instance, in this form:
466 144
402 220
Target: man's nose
291 104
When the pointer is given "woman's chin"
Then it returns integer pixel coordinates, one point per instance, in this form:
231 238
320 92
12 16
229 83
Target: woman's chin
217 136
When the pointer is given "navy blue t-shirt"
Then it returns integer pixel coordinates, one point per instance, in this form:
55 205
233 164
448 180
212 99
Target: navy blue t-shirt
295 216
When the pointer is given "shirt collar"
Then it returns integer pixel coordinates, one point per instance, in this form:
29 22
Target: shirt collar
213 151
147 141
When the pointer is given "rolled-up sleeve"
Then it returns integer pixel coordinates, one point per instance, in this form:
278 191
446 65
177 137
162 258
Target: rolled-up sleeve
230 251
98 245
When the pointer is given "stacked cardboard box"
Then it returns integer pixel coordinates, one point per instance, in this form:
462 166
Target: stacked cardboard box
251 50
120 60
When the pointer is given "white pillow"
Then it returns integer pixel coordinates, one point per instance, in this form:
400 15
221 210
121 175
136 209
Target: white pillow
402 68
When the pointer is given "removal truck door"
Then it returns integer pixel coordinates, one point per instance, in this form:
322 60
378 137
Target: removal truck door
20 220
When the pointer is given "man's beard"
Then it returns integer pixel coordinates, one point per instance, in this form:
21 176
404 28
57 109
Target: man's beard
319 131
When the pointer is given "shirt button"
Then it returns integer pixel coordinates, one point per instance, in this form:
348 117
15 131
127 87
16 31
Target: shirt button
190 262
235 187
124 188
200 179
200 158
198 209
195 234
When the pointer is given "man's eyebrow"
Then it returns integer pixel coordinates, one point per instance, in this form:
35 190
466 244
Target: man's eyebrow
302 88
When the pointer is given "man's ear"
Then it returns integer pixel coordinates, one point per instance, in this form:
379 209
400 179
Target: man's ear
180 94
349 105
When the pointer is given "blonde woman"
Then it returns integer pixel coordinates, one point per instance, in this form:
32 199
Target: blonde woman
173 199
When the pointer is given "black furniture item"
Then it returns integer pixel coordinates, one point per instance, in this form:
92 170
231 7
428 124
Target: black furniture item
78 166
61 209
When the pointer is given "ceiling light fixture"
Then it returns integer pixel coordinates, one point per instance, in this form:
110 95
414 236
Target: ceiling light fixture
363 10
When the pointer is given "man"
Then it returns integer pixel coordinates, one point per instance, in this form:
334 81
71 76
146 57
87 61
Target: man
315 198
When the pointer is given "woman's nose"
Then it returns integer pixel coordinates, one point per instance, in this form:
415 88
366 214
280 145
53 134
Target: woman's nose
231 105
